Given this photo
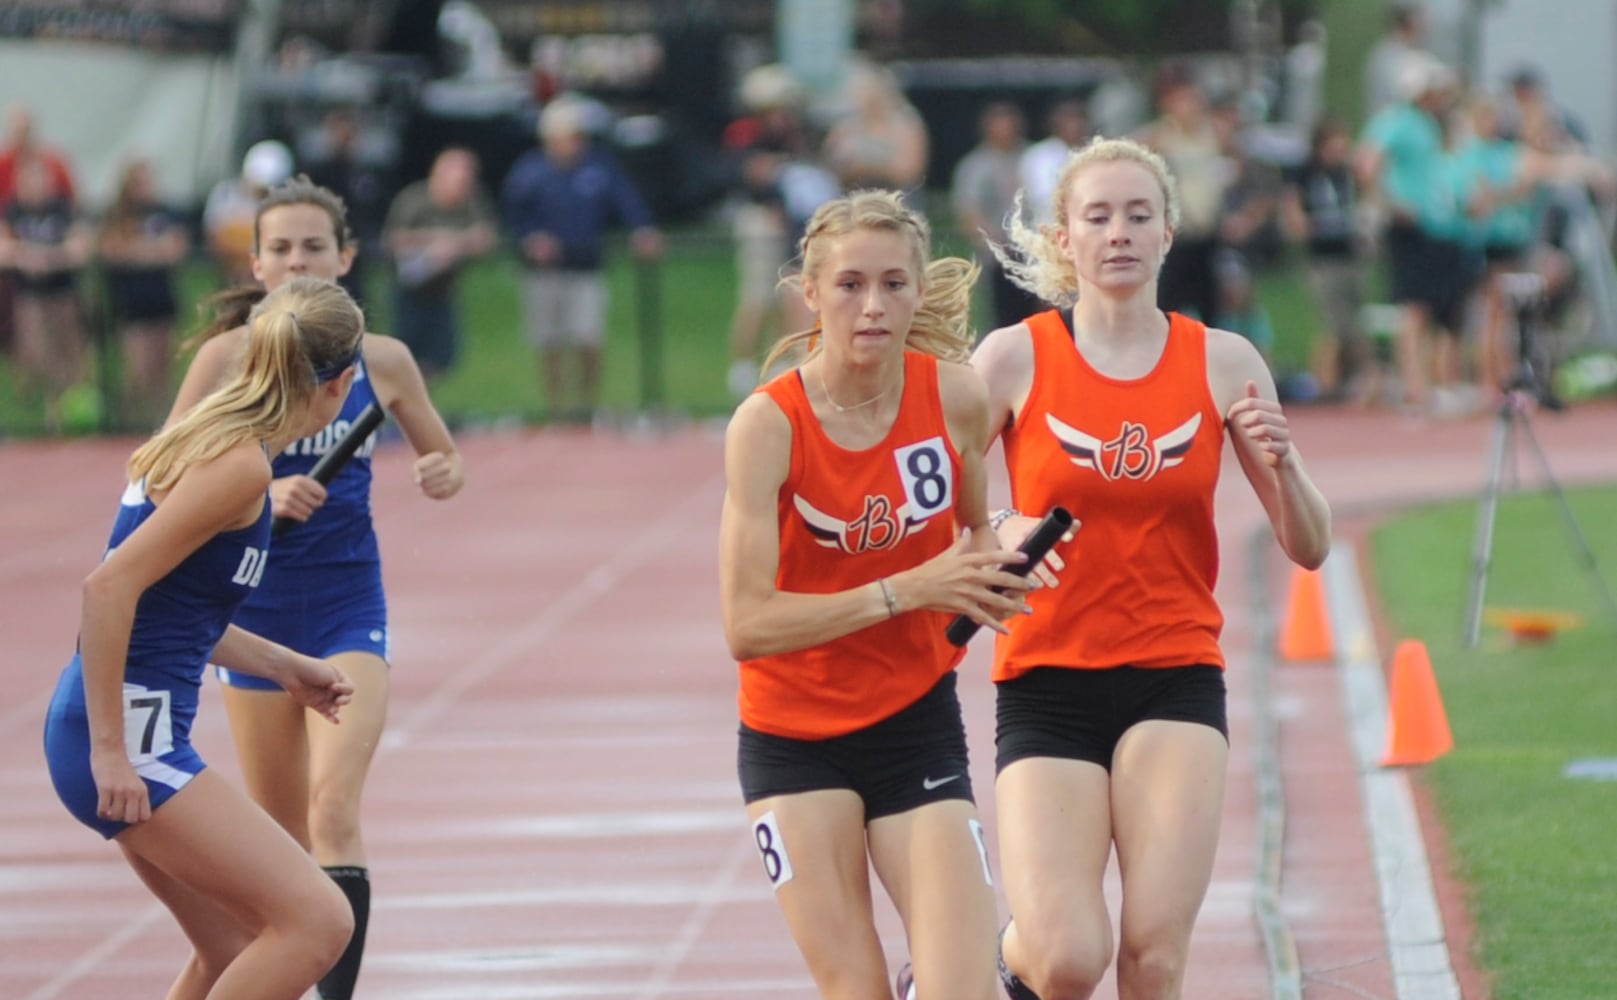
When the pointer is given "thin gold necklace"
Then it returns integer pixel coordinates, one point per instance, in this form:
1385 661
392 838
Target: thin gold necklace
857 406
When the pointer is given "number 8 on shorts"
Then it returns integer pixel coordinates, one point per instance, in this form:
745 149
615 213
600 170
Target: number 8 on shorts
772 849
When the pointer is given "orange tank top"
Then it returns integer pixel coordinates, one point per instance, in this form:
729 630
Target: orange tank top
847 518
1136 461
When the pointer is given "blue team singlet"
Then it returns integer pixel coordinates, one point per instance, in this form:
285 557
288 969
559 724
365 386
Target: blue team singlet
322 591
178 621
340 531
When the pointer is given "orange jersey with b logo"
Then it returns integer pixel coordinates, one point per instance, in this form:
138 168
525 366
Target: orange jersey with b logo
848 518
1136 461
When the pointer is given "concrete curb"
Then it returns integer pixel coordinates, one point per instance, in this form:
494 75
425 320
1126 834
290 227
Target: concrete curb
1416 941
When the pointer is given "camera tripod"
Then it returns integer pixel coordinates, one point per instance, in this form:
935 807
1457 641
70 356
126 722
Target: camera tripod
1523 390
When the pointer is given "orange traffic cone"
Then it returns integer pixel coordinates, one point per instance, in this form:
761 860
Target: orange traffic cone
1417 725
1305 634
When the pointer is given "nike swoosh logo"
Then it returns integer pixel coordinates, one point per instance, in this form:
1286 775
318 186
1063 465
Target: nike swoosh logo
929 784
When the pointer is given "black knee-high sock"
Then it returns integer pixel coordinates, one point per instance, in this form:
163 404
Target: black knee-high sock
355 883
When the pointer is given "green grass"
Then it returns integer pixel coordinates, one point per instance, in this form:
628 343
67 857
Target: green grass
686 322
497 375
1534 848
686 318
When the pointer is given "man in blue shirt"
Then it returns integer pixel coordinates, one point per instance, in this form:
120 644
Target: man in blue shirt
559 203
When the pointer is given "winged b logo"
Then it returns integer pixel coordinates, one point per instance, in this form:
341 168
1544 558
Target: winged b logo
1132 454
878 526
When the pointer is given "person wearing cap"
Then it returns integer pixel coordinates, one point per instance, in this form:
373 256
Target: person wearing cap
1401 160
558 204
232 207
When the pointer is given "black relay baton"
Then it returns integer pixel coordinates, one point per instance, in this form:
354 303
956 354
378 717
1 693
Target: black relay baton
364 425
1039 541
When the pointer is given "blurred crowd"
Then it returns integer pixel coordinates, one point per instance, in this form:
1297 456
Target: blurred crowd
1424 231
1429 234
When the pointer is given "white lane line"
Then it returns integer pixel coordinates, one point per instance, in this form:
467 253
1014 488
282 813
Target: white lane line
754 987
620 892
589 826
1409 911
720 889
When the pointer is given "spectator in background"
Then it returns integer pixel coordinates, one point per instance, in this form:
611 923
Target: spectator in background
1320 210
1239 309
1402 159
882 142
45 244
140 244
231 211
336 161
1303 103
1252 189
1536 111
433 227
1405 36
1511 190
986 182
1068 122
1502 209
1187 137
558 203
21 142
764 144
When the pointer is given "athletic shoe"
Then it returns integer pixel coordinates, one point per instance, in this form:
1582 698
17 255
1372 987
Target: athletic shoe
906 982
1014 987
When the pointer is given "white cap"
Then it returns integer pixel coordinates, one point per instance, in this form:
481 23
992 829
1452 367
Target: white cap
770 86
1421 73
564 115
267 163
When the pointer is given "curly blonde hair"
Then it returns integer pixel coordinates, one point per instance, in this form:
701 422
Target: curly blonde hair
1031 255
942 324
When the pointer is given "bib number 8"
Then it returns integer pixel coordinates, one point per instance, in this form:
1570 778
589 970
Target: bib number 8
928 481
772 849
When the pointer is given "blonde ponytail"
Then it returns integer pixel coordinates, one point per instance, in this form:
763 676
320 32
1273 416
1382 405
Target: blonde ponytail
297 336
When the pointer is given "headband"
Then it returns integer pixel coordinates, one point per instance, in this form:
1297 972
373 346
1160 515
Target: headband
332 371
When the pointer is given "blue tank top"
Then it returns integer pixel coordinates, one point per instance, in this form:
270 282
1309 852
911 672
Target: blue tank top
341 530
180 618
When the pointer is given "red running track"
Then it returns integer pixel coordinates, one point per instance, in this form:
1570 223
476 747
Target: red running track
554 812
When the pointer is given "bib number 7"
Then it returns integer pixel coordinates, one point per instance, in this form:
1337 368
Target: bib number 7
148 723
